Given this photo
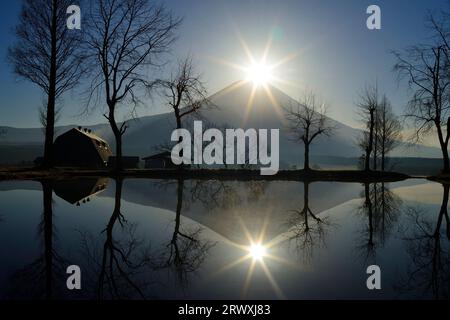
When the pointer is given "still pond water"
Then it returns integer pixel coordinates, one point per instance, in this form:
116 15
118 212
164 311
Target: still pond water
169 239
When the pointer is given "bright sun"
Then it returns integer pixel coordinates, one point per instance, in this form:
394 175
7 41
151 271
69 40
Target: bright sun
257 251
259 73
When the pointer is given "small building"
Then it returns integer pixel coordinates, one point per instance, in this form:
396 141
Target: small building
80 147
161 160
128 162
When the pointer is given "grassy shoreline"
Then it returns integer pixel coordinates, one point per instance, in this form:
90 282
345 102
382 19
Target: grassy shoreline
204 174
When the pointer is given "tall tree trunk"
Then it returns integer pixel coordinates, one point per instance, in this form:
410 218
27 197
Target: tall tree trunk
51 101
445 158
375 148
375 155
49 133
383 210
118 137
306 163
383 147
370 145
367 160
383 139
178 118
119 154
179 126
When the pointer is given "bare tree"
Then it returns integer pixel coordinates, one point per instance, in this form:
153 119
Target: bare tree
376 139
426 69
185 92
307 121
389 130
47 53
367 105
126 38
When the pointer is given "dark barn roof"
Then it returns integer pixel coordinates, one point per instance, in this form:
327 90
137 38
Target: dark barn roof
81 148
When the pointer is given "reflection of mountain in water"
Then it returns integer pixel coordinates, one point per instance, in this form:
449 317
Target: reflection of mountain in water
80 190
228 207
223 206
139 251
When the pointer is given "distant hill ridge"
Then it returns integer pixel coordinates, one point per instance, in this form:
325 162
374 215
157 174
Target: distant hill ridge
230 110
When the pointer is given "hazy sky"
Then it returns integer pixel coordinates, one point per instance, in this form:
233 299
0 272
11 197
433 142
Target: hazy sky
336 55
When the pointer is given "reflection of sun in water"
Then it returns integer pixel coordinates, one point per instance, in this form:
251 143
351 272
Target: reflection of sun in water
257 251
256 254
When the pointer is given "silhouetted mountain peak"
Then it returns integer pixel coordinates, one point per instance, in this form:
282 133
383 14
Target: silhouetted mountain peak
239 105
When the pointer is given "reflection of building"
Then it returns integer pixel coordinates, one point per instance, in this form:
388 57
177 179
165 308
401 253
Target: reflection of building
159 161
81 148
79 190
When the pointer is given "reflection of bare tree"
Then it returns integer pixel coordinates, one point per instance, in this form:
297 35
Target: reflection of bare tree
381 207
186 251
368 246
307 233
430 255
41 279
386 206
125 260
222 194
256 189
214 193
209 193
